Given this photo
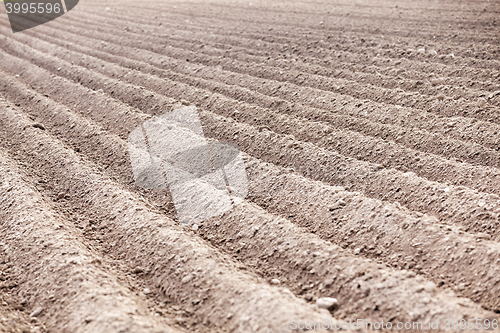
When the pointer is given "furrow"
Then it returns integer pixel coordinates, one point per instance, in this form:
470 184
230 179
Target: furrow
62 282
457 205
266 69
312 31
478 211
368 135
216 44
415 139
322 53
185 269
300 212
267 232
393 45
346 143
458 127
256 239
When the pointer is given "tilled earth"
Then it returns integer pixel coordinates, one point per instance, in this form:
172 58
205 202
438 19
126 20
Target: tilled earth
370 132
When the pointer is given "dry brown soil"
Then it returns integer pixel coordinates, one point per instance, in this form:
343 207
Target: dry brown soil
370 132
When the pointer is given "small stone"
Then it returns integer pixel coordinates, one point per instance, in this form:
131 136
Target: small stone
137 270
255 230
264 128
186 279
194 227
308 297
275 282
328 283
484 236
495 93
421 50
327 303
38 311
39 126
339 204
433 52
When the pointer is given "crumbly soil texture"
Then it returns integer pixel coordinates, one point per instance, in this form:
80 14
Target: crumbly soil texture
370 135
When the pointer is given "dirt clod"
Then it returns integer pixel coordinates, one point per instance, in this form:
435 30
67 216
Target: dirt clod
328 303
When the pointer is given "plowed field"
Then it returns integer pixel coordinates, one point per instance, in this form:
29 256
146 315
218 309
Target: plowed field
370 132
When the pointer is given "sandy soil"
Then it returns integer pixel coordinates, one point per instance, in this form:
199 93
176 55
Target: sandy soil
370 132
